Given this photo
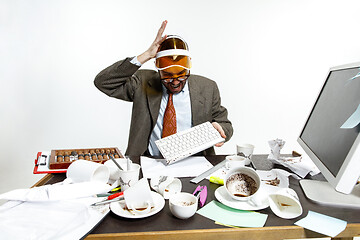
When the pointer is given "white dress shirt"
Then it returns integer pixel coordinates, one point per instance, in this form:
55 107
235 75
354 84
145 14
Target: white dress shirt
182 106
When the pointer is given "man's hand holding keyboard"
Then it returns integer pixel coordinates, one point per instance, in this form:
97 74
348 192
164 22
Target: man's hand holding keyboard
221 131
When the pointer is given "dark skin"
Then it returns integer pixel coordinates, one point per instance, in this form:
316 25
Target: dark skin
176 86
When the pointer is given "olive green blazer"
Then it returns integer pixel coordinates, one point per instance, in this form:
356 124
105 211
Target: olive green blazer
124 80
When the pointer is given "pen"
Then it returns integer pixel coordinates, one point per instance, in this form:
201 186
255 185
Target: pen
103 195
112 158
115 195
127 161
116 189
109 199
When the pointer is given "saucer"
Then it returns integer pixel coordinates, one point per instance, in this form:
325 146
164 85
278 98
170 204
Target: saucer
223 197
118 207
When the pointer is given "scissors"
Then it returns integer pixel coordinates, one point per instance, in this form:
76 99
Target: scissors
201 193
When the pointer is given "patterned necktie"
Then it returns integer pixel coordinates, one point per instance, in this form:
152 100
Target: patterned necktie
169 122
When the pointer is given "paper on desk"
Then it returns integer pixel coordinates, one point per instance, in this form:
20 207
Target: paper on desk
189 167
30 220
97 213
50 220
323 224
353 120
229 216
274 179
57 191
300 165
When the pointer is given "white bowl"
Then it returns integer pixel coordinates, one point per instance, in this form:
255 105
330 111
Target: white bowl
183 205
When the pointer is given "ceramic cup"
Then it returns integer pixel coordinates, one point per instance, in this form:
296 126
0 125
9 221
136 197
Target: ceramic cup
86 171
138 197
242 183
285 203
233 161
128 178
183 205
166 185
245 150
114 170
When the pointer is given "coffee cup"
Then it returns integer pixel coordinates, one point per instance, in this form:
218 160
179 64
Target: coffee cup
166 185
245 150
242 183
285 203
86 171
128 178
233 161
183 205
138 197
114 170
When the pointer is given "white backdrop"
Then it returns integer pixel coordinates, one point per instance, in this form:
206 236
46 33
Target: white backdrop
269 58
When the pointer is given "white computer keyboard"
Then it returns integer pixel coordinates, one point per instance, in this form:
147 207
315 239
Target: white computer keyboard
186 143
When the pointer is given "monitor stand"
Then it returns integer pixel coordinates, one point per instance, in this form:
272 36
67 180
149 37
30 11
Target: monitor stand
323 193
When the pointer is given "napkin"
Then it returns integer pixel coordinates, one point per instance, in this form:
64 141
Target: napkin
301 165
55 192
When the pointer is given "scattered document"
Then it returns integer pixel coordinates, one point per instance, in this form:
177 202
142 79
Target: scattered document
300 165
322 224
39 220
58 191
353 120
229 216
276 177
189 167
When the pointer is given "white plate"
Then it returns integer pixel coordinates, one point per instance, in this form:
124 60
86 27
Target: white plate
118 207
223 197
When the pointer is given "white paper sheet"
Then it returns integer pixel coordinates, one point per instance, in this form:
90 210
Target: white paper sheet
300 165
189 167
58 191
49 220
322 224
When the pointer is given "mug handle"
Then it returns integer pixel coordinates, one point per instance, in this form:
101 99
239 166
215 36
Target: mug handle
147 210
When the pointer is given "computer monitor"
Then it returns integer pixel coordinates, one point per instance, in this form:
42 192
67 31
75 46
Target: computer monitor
331 138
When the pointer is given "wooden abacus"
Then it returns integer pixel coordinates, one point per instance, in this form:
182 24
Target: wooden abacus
61 159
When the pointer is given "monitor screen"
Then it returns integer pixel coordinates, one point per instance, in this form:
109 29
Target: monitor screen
331 138
324 132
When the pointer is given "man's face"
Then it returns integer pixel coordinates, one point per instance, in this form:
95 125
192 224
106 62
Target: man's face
173 73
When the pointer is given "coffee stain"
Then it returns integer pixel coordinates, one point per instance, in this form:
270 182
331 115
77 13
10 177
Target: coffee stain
273 182
285 205
240 195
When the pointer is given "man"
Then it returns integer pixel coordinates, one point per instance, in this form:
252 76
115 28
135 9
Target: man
196 99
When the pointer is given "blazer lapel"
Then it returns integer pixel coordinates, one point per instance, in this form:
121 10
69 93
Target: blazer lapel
197 101
154 94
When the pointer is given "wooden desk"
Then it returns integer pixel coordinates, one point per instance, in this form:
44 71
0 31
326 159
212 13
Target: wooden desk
164 226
